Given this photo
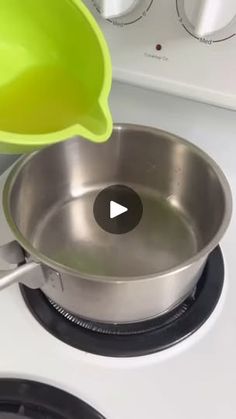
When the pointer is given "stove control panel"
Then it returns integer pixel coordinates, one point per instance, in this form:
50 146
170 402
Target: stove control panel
181 47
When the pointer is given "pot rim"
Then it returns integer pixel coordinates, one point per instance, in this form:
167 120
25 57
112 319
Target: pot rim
201 254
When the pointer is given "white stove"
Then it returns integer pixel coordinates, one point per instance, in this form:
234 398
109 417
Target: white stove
194 378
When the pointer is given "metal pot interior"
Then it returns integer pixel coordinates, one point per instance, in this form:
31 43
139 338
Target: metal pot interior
49 199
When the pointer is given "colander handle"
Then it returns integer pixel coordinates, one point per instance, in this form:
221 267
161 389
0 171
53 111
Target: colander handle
30 274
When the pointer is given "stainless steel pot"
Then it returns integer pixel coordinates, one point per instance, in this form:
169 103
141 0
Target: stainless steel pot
48 202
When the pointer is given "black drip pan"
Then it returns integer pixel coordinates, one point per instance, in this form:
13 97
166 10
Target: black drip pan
152 336
22 399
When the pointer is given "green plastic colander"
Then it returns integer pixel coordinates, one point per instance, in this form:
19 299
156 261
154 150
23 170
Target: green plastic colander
55 75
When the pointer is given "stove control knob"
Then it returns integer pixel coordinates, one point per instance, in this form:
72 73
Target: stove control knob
111 9
209 16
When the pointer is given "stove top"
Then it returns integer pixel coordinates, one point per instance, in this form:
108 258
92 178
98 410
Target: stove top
195 377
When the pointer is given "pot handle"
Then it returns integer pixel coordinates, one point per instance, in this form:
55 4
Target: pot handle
30 274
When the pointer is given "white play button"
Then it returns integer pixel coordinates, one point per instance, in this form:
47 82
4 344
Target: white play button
116 209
